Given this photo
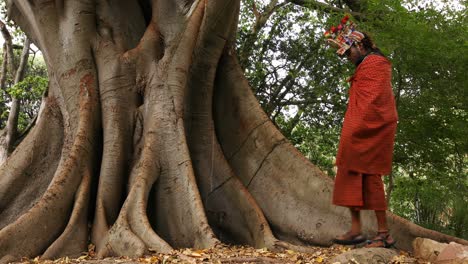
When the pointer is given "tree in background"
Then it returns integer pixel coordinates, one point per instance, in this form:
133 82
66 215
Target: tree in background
300 84
302 87
150 138
429 53
20 97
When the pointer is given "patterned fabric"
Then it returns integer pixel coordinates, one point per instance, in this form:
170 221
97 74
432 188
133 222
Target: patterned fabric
369 127
359 191
343 36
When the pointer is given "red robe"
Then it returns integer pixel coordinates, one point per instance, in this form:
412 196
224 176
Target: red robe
368 133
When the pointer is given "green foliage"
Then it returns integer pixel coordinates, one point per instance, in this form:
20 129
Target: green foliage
317 144
431 150
301 85
30 88
29 92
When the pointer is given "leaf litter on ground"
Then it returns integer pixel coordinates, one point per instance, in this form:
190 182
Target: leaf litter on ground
220 255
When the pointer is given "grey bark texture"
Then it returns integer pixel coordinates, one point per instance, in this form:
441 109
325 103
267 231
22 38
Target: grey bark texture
151 139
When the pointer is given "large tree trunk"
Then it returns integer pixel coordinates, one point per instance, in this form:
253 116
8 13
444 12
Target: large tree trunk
150 125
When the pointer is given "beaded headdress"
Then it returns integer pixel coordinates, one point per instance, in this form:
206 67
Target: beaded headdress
343 36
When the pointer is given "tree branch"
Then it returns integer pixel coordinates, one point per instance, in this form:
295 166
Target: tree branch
3 71
27 16
327 8
255 11
9 47
355 5
25 132
292 123
288 84
12 122
7 65
260 21
23 61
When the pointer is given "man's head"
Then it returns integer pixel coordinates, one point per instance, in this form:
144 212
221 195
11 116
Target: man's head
359 49
355 53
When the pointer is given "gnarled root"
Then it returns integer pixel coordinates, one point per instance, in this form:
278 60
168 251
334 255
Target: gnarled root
132 234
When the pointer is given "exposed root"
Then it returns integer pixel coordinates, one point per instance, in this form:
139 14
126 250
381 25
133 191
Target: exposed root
100 226
73 240
261 157
121 241
132 235
118 128
405 232
119 101
180 216
140 224
22 237
283 245
24 179
234 211
8 258
31 167
230 208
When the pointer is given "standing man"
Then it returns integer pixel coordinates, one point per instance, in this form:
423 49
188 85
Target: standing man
366 143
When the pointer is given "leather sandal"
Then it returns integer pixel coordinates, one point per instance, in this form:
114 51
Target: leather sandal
350 239
383 240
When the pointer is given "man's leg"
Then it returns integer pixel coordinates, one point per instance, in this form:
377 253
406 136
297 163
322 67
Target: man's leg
353 236
355 221
347 192
374 199
383 238
381 216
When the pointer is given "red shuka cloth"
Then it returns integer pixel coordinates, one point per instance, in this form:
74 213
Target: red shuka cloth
359 191
369 127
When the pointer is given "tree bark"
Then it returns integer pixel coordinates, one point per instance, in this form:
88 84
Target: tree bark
150 125
4 70
8 65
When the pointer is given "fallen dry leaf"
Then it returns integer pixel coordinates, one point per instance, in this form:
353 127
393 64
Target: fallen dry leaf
219 255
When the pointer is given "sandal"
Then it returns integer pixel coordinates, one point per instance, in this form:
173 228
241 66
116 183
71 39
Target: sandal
383 240
349 239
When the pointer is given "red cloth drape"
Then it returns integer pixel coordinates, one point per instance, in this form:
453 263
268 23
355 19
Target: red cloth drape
359 191
367 136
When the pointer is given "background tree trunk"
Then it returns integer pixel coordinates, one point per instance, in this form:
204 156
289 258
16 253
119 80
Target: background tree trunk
10 134
150 123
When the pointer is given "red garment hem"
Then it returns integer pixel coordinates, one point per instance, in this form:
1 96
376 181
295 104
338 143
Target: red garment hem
359 191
